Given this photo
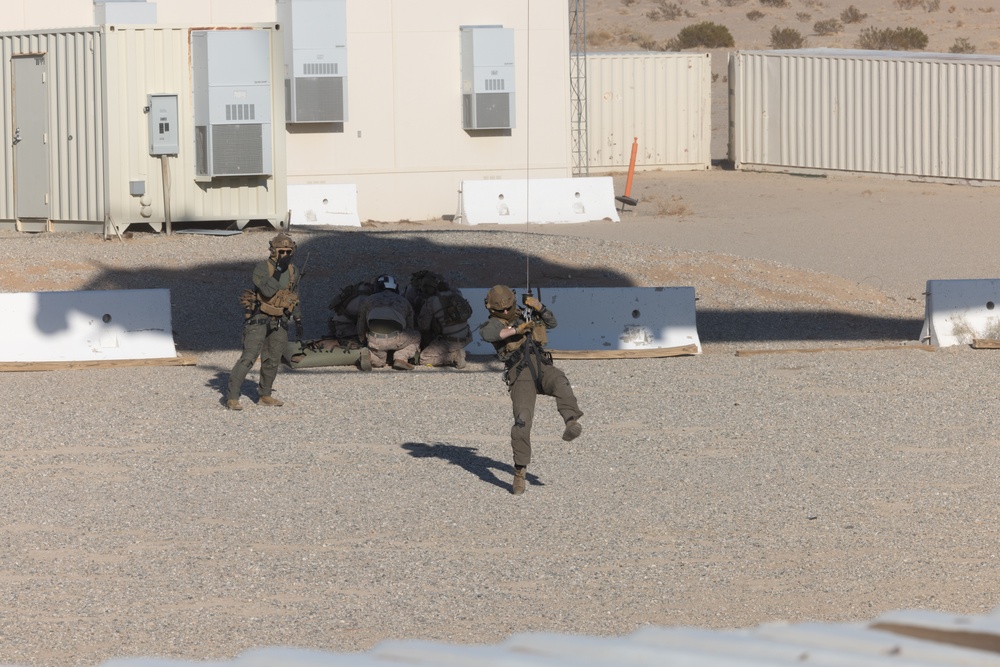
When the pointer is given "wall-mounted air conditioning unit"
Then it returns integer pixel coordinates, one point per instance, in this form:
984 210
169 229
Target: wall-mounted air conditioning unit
487 78
315 60
124 12
231 72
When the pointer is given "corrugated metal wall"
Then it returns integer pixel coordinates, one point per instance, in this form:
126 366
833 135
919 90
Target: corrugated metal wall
97 84
928 115
663 99
77 139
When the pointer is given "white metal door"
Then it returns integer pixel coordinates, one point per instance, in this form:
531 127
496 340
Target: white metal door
31 157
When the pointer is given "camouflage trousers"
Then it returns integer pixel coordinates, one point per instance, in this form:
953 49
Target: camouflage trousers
523 395
441 351
265 337
403 344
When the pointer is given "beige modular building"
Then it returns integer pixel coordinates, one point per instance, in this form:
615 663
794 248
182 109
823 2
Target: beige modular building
396 101
108 126
911 114
661 101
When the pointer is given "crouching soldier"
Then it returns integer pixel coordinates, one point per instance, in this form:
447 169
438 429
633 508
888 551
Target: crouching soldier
385 324
443 322
518 338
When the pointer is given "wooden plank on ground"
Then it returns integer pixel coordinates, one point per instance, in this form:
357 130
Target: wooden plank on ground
868 348
20 366
986 344
652 353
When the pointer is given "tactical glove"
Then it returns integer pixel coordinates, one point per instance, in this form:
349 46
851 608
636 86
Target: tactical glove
299 330
523 328
533 303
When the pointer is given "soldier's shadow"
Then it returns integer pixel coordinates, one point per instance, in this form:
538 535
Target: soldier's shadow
466 457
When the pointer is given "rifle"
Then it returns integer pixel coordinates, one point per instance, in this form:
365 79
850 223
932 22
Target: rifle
537 332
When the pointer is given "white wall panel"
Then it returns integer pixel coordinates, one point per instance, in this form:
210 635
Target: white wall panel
912 114
662 99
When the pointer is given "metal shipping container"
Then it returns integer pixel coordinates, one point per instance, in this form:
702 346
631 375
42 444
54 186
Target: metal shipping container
662 99
76 133
898 113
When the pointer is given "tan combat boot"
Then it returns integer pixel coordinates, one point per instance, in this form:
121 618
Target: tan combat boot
573 430
271 400
519 480
460 359
365 360
402 365
233 404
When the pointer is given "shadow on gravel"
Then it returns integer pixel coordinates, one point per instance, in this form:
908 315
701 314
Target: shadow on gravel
466 458
741 326
207 317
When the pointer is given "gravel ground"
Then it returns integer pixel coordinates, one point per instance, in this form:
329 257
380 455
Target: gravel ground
716 490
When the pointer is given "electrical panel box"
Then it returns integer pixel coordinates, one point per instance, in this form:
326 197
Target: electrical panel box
163 124
231 72
487 77
315 60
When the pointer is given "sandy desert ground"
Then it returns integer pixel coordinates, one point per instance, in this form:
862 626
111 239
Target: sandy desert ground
625 25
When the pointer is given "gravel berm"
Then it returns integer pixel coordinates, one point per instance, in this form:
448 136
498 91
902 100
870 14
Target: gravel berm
142 518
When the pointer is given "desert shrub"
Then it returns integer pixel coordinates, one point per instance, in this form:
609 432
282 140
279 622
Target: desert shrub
805 17
852 15
774 3
892 39
599 37
733 3
650 44
755 14
932 5
786 38
907 4
705 35
629 3
827 27
665 11
962 45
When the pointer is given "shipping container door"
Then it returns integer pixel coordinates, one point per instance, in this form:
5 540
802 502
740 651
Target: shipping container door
31 157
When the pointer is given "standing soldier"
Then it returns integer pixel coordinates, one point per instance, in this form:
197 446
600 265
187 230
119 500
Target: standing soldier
274 299
443 322
518 338
385 324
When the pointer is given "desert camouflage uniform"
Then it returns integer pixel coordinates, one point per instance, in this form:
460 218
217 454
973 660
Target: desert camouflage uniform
527 376
385 324
447 341
264 335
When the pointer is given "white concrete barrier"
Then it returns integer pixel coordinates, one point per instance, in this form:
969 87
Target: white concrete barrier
958 311
324 204
542 200
86 326
606 318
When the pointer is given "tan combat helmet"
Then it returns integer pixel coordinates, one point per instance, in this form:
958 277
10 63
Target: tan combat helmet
499 298
282 241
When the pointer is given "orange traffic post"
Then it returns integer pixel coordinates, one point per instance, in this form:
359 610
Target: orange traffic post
627 198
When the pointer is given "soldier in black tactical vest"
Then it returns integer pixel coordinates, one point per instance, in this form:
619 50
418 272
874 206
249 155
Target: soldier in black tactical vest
519 337
443 322
269 306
